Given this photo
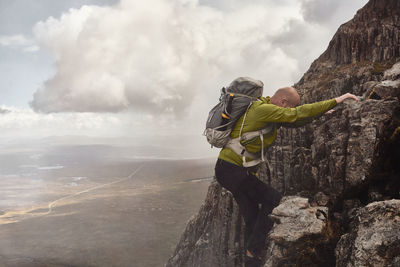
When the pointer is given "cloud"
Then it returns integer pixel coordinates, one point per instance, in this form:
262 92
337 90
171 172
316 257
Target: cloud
156 57
18 40
24 126
31 49
331 13
300 40
14 40
25 122
170 58
319 11
4 110
140 129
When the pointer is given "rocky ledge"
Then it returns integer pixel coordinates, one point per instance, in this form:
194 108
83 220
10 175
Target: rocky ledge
374 238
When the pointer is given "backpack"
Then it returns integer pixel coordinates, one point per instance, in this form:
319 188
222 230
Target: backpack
234 101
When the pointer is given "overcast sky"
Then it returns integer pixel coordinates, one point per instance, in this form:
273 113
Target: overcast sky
130 67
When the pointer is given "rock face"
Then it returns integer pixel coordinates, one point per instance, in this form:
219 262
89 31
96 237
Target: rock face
214 237
340 154
347 162
374 239
298 228
373 35
295 219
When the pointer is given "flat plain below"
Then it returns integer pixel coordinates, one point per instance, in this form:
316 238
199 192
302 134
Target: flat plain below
60 208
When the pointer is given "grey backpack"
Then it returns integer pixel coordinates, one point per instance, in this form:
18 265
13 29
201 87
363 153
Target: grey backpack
233 103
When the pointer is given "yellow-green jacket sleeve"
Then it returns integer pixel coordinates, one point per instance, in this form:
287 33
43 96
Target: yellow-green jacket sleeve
272 113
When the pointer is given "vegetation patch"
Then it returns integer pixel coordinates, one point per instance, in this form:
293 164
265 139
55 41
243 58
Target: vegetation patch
379 68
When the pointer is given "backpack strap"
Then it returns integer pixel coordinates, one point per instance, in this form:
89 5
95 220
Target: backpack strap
251 135
236 145
238 148
242 95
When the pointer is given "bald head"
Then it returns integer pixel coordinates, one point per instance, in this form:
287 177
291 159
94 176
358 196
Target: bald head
286 97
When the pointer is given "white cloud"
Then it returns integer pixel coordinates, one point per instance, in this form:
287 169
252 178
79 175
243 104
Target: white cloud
161 58
159 134
330 13
18 41
32 48
14 40
157 56
319 11
153 137
16 122
4 110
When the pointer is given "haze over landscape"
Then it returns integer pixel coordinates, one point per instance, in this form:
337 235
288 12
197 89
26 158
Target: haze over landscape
93 205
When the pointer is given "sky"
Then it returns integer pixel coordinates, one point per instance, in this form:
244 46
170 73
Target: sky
130 68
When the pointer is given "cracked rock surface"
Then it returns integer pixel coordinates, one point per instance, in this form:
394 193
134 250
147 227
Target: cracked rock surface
374 239
297 223
296 218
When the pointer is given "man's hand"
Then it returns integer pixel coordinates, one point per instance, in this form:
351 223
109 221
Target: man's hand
341 98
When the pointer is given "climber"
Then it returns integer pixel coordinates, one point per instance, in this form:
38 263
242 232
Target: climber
255 198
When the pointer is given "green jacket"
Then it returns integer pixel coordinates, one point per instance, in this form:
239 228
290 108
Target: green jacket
261 113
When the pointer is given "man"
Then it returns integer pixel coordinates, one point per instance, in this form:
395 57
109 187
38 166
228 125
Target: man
256 199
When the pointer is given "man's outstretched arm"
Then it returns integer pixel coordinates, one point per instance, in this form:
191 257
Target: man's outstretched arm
300 115
303 122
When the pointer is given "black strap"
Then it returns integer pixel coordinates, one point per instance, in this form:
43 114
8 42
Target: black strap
268 174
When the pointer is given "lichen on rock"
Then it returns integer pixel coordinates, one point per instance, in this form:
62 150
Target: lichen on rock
298 228
295 218
374 239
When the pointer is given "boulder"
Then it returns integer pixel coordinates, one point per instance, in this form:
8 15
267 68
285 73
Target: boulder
299 234
374 238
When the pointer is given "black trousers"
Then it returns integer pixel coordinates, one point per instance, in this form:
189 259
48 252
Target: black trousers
255 199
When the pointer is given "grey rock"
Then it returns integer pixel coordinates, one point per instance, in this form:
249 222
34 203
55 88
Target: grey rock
374 239
341 150
371 35
214 237
393 73
296 218
321 199
298 230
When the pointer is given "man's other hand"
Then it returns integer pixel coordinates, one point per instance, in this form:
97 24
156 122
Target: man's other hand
341 98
